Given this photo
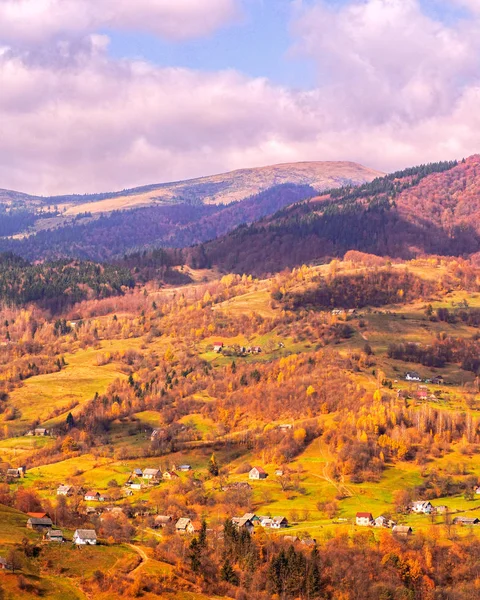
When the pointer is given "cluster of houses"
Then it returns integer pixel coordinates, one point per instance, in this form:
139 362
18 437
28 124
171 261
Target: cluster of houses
220 347
338 312
414 376
42 523
140 478
365 519
250 520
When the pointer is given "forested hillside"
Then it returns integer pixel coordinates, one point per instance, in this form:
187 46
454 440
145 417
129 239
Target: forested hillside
177 225
431 209
58 284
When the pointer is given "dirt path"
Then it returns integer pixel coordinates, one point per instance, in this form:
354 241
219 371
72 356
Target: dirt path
143 556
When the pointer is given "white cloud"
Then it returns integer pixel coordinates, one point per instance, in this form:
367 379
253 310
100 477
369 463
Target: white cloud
27 21
395 88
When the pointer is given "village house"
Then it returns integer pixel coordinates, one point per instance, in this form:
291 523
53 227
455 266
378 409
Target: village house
85 537
466 521
252 517
218 347
16 472
152 474
162 521
266 521
421 507
39 524
136 486
402 530
54 535
257 473
441 509
169 475
184 525
364 519
381 521
285 426
137 473
279 473
92 496
242 523
477 489
184 468
438 380
64 490
412 376
3 564
279 523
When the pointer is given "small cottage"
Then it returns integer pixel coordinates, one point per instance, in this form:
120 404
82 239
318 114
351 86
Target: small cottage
242 523
64 490
279 522
85 537
364 519
412 376
402 530
422 507
184 468
162 521
39 524
92 496
466 521
257 473
152 474
54 535
218 347
184 525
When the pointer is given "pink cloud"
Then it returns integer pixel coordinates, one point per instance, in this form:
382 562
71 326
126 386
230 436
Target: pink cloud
38 20
395 88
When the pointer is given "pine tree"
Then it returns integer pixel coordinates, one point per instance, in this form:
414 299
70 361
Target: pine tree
228 574
70 421
213 466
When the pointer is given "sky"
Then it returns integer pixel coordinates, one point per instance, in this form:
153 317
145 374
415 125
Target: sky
102 95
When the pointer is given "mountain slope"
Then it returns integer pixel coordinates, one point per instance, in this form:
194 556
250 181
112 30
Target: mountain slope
433 209
178 214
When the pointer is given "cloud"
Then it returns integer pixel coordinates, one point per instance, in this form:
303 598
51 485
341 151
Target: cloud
33 21
395 88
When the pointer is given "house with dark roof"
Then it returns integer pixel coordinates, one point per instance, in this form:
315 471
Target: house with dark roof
466 521
242 523
402 530
54 535
39 524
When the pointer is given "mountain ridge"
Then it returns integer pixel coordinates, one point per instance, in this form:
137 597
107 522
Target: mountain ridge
222 188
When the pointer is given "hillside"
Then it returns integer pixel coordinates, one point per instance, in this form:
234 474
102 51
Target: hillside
203 384
432 209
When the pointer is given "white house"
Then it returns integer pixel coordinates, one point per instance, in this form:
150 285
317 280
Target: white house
421 506
85 537
364 519
257 473
412 376
279 522
152 474
64 490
